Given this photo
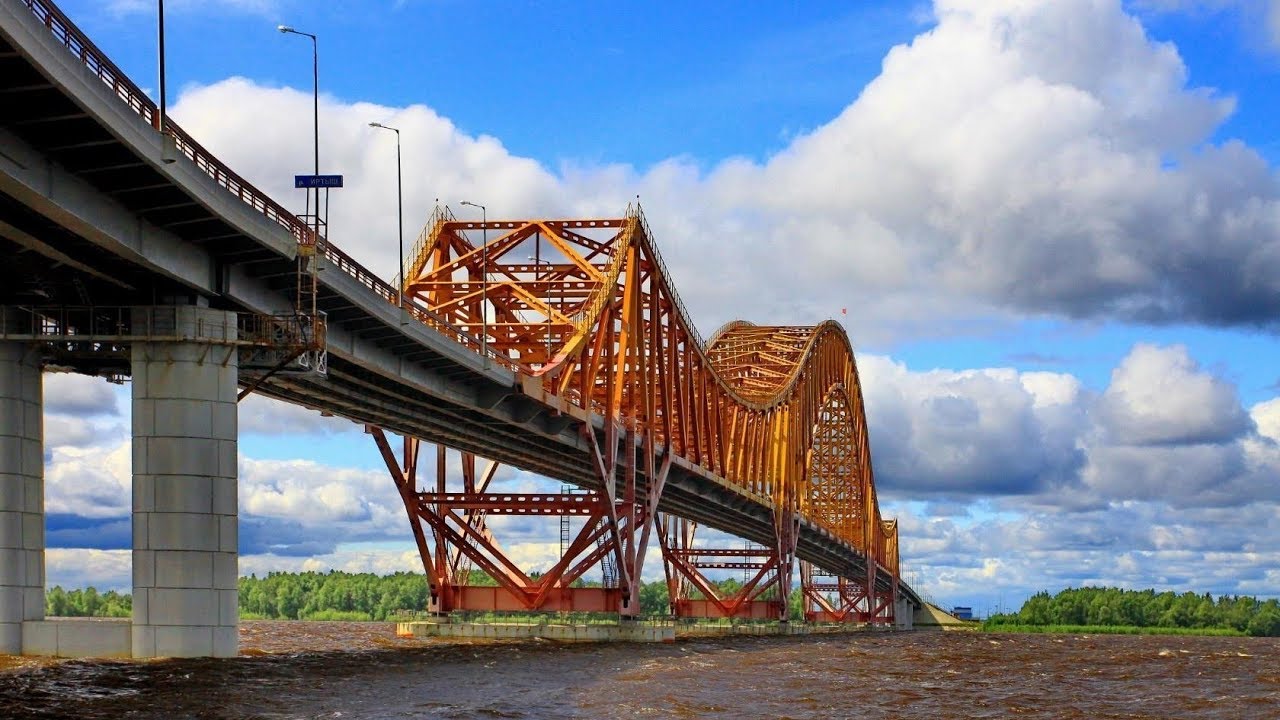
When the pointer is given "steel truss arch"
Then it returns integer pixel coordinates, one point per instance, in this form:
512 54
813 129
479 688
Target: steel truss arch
586 312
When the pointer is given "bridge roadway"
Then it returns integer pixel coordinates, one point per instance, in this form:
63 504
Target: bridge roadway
90 212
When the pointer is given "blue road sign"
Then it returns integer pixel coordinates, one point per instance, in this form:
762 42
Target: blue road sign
317 181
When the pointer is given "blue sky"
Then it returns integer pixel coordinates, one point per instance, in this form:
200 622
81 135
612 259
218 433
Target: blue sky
1054 224
553 81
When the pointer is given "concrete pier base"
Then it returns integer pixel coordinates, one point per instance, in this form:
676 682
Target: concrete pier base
78 637
185 602
622 632
794 628
21 492
903 614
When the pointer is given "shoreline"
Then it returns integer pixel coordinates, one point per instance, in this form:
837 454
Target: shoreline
1111 630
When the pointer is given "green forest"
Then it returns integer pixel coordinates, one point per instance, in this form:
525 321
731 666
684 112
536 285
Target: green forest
333 595
86 603
344 596
1113 607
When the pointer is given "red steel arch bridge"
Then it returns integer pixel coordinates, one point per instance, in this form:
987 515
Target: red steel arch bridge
558 346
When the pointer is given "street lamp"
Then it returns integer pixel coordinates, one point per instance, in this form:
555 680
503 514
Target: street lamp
399 208
168 144
160 59
315 95
484 277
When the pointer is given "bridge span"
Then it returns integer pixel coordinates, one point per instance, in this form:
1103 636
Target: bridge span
557 346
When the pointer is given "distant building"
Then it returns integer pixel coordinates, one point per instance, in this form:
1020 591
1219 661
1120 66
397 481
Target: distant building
962 613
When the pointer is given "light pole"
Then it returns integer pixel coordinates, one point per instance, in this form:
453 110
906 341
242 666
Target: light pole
160 58
484 277
315 95
399 209
168 143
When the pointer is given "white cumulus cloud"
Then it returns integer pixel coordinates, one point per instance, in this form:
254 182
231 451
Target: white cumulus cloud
1016 158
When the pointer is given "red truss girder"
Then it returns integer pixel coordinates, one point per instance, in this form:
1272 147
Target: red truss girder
451 531
517 503
716 552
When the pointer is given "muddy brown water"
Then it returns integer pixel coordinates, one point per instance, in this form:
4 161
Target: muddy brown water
361 670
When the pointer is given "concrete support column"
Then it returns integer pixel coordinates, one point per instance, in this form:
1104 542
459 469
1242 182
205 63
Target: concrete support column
185 602
21 492
904 614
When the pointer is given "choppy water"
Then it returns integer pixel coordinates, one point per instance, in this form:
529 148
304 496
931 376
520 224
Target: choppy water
359 670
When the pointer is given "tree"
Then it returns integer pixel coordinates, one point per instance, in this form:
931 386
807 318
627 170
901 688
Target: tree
1266 623
55 602
655 598
1036 610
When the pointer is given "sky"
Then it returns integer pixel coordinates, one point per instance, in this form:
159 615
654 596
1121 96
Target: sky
1054 226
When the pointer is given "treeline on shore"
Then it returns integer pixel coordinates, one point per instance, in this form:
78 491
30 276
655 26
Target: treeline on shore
87 603
337 595
333 595
1116 608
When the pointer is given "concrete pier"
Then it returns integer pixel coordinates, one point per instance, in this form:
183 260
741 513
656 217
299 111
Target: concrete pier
551 629
184 489
545 630
903 614
21 492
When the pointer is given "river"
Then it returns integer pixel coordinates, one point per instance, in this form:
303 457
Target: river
361 670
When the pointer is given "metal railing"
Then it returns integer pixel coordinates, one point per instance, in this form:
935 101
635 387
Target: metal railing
129 323
97 61
79 45
93 58
586 317
652 246
414 260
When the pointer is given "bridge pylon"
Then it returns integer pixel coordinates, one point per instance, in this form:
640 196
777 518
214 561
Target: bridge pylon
761 596
450 516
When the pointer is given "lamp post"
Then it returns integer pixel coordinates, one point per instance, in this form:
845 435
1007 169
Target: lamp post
315 95
168 143
399 209
160 58
484 277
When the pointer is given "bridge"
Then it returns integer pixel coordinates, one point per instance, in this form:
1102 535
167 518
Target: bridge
557 346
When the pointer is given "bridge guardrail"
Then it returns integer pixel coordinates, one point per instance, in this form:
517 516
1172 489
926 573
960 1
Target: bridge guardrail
278 342
131 323
97 61
79 44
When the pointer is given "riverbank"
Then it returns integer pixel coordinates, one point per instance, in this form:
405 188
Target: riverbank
1110 630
